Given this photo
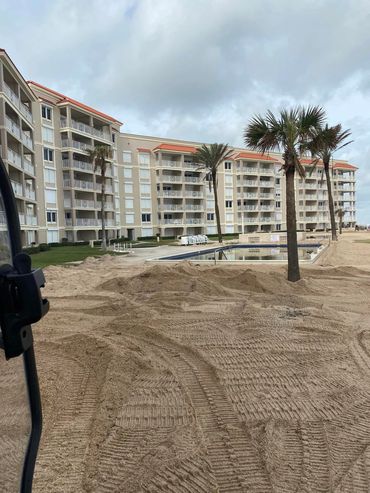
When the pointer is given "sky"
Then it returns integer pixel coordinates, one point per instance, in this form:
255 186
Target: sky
200 69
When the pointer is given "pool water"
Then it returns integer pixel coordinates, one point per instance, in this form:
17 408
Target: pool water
248 253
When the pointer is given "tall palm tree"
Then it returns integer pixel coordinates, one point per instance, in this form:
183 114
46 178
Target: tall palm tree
99 156
326 142
291 132
340 214
210 157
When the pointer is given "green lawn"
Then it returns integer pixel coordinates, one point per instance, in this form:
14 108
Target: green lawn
60 255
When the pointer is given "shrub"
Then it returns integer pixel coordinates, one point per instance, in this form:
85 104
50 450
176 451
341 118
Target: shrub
31 250
44 247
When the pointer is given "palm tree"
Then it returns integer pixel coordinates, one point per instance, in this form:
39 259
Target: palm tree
327 141
340 214
292 133
210 157
99 156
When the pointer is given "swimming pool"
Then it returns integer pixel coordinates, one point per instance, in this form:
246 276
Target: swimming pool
251 253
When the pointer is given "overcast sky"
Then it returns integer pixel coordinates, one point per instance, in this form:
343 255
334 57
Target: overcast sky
199 69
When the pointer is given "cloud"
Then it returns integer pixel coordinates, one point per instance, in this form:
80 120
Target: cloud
199 69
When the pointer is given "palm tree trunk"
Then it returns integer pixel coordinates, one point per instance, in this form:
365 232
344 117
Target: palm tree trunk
217 210
103 236
331 204
291 222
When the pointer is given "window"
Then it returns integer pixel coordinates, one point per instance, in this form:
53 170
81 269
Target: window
130 218
229 218
144 173
50 196
229 179
145 203
46 112
144 158
146 231
48 154
129 203
127 172
229 193
113 137
50 176
228 204
53 236
229 229
278 227
227 165
145 218
47 134
278 205
277 181
210 216
51 216
129 188
144 188
210 204
127 156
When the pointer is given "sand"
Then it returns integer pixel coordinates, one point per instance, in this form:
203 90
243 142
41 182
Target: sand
198 378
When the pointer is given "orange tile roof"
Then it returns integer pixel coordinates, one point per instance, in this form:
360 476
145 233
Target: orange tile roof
344 166
66 99
142 149
175 148
252 155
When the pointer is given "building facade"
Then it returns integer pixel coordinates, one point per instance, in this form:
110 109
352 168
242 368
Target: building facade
153 185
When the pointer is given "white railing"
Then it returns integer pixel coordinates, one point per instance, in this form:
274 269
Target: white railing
76 145
170 164
93 222
192 165
171 207
76 164
192 207
250 183
17 188
21 219
266 195
266 171
3 218
31 220
171 178
247 171
83 204
17 102
170 193
191 220
108 188
30 194
14 157
192 179
26 139
247 208
108 206
86 185
267 207
267 184
193 194
88 129
171 221
13 127
28 166
251 195
267 219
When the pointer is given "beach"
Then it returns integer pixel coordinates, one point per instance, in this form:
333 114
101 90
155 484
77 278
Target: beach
187 377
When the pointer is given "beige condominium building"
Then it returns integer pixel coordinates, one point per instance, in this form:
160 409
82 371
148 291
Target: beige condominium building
153 185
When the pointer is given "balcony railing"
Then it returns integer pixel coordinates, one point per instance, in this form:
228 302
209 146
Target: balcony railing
93 222
266 184
17 188
28 166
85 185
30 194
83 204
13 127
170 178
192 179
170 193
170 207
31 220
21 219
79 165
191 220
26 139
193 194
88 129
82 146
14 157
192 207
108 206
170 164
18 103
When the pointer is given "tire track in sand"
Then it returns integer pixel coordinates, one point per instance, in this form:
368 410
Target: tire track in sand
236 463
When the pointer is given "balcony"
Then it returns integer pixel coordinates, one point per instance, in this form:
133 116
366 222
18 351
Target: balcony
191 165
14 158
28 166
78 165
170 193
192 179
267 219
193 194
248 171
27 140
13 127
75 144
170 207
172 221
266 196
81 204
17 188
192 207
250 183
84 185
108 188
170 164
248 208
266 184
13 97
192 220
30 194
170 178
108 206
22 220
87 129
31 220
